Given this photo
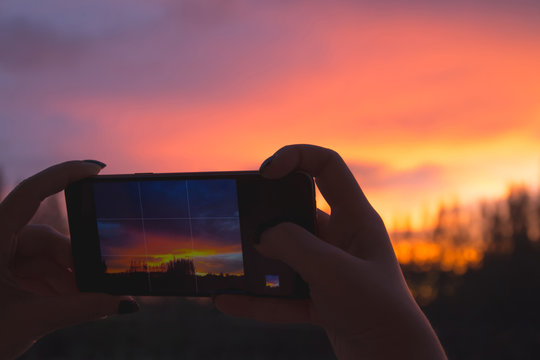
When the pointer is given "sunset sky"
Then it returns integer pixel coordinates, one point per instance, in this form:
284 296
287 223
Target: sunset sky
427 101
158 221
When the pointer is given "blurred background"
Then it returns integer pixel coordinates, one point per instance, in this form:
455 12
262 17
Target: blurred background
435 106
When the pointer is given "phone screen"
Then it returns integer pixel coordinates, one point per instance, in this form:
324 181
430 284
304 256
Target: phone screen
182 235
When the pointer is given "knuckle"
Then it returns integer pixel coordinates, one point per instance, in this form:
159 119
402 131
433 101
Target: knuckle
333 156
326 158
285 149
27 188
287 227
284 229
290 146
332 153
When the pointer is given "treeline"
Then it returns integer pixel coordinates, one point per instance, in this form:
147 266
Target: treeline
492 310
173 267
506 228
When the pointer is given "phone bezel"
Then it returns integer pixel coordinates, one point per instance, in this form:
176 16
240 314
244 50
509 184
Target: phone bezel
85 241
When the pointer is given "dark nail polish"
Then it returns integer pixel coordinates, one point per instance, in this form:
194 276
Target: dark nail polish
266 163
127 307
96 162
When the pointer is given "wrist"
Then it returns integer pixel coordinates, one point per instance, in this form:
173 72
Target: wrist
408 337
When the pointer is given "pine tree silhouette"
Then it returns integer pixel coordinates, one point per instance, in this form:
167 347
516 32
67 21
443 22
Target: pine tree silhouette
519 203
181 267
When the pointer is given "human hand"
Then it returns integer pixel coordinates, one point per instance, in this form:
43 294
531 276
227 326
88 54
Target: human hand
37 287
357 290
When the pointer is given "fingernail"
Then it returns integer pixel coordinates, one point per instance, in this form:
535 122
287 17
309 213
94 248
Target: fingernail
96 162
127 307
267 162
258 234
257 247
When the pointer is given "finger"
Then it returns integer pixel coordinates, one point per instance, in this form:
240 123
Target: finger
41 262
45 314
265 309
21 204
36 267
44 241
317 261
37 273
35 286
334 179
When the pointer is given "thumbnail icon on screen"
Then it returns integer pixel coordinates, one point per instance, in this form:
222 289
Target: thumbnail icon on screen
272 281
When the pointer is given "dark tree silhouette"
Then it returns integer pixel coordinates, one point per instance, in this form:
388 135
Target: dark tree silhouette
494 310
497 233
181 267
519 203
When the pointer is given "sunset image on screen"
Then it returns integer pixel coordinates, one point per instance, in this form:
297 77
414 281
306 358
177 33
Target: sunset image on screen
272 281
184 234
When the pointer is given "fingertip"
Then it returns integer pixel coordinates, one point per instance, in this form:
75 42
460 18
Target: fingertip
227 303
93 167
257 247
95 162
272 237
126 297
108 304
266 163
114 304
128 307
283 162
264 244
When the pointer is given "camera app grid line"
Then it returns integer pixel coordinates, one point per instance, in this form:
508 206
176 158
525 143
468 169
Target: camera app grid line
187 230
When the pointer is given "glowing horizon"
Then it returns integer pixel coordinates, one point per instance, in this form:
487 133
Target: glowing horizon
124 267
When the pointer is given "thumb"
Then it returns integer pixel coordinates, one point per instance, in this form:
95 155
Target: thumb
314 259
46 314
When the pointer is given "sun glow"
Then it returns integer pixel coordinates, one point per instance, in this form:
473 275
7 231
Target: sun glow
429 255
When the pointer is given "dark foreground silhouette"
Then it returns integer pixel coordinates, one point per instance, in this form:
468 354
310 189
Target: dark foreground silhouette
489 312
493 312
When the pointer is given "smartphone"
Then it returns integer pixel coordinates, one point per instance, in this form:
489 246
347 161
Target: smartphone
185 234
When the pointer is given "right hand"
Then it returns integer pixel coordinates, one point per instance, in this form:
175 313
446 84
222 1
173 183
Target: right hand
358 293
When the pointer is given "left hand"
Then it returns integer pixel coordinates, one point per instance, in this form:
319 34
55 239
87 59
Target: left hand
38 293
